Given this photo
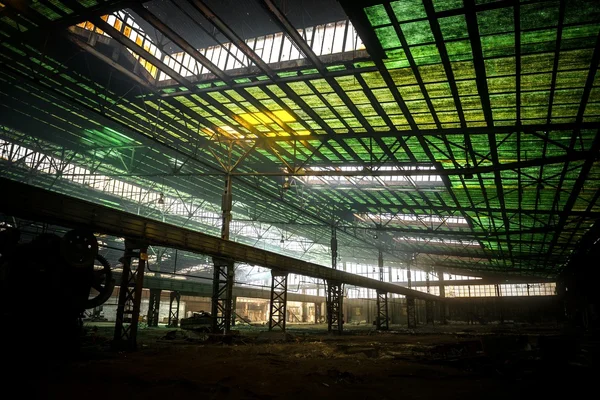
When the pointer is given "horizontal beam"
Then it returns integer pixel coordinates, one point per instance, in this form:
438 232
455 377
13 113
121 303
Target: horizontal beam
83 14
509 280
195 288
484 169
435 132
38 204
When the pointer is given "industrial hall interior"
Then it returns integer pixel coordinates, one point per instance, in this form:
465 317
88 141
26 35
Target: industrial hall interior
264 199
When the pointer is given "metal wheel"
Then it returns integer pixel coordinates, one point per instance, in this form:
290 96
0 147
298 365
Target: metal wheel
103 283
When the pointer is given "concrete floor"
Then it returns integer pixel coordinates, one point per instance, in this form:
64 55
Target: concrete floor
449 362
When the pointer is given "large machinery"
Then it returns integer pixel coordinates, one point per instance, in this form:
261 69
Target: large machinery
47 283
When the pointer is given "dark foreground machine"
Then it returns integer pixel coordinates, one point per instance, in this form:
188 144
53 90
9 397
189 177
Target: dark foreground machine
47 283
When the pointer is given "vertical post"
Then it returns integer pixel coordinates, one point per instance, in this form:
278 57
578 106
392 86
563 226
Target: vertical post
411 312
174 301
233 310
443 305
153 307
278 303
223 271
382 320
317 312
304 311
429 317
334 307
335 319
499 295
130 296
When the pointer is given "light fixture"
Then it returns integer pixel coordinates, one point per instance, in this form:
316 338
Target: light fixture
161 198
286 183
375 236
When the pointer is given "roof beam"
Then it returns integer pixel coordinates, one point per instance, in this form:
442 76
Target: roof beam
181 43
594 150
281 20
414 131
482 169
102 8
482 88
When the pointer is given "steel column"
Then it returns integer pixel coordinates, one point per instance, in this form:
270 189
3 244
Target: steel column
153 307
335 319
317 312
304 311
277 306
499 295
223 271
174 309
382 311
411 312
382 321
334 307
443 305
429 311
233 310
130 296
222 294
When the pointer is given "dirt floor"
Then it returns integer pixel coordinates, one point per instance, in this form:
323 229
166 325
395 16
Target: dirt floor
449 362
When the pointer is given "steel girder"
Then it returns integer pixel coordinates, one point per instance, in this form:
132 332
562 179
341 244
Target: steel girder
382 321
278 301
130 295
153 307
335 318
174 302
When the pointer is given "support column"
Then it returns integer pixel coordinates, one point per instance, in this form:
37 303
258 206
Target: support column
411 312
382 311
223 272
153 307
334 307
499 295
174 301
429 311
443 305
278 303
221 298
130 296
335 296
382 320
304 311
233 310
317 312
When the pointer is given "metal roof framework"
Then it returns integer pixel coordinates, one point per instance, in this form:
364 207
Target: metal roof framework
500 100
